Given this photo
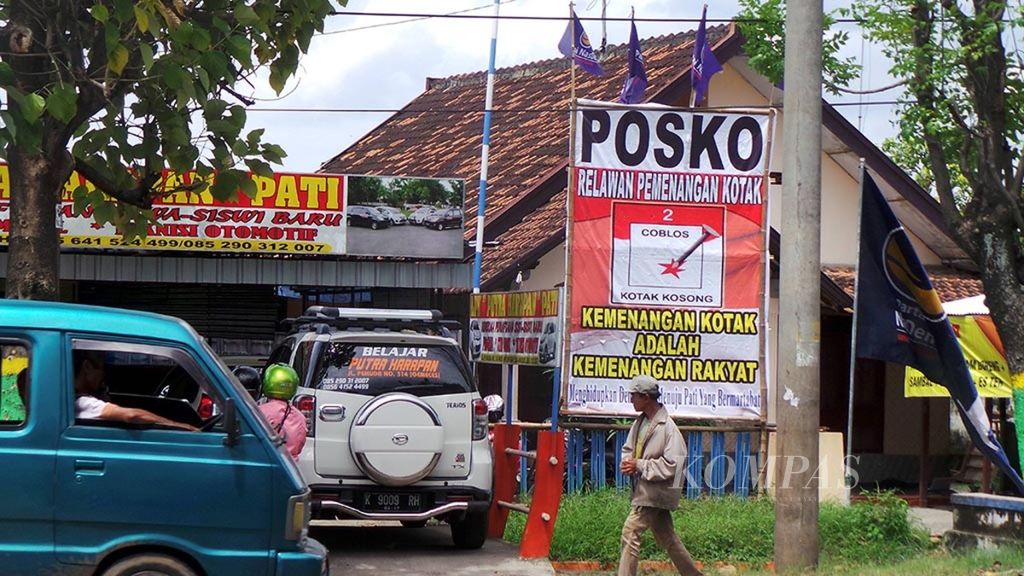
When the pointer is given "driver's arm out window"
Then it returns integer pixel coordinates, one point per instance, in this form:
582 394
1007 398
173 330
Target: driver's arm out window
14 382
152 379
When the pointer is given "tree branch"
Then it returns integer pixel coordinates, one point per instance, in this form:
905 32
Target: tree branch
141 195
925 92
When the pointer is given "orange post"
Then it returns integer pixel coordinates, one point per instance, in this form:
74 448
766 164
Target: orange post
547 493
505 469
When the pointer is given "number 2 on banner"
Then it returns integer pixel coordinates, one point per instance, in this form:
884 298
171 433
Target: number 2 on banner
666 215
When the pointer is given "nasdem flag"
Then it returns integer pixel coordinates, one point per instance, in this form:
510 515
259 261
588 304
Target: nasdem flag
636 77
704 64
584 52
900 319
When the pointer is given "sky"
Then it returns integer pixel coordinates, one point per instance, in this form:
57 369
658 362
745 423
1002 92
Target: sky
384 67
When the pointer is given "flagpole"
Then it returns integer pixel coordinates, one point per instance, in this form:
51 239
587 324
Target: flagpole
485 150
853 332
693 93
570 194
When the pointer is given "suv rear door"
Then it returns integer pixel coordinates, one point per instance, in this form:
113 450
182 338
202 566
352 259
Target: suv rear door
396 408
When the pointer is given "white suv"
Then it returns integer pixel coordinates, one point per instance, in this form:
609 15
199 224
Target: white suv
397 428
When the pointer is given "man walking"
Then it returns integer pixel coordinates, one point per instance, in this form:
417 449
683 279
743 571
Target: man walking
653 453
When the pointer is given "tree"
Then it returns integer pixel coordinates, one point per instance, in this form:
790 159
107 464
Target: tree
960 134
120 89
365 189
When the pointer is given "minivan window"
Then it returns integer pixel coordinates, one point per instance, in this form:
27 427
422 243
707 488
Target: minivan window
373 369
162 381
14 382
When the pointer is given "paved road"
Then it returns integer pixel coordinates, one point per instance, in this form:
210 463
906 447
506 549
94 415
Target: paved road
388 548
406 240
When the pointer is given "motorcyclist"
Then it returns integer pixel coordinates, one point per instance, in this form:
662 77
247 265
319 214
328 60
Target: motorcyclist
250 379
280 381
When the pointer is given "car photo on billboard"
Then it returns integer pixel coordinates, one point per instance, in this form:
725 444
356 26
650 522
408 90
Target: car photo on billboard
476 339
387 204
548 346
367 217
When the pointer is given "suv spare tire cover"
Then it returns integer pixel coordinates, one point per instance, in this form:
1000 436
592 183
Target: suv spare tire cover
396 439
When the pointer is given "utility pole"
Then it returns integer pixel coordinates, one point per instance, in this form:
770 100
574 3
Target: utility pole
797 393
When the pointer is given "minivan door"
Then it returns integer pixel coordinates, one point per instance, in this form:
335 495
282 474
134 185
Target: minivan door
397 412
120 483
29 415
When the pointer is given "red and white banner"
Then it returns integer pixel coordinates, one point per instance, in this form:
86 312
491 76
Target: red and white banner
667 270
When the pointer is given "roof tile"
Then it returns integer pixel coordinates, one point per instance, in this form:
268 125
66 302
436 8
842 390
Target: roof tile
950 284
439 133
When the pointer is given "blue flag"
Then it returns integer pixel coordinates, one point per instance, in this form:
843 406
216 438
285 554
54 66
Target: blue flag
585 55
900 319
704 64
636 77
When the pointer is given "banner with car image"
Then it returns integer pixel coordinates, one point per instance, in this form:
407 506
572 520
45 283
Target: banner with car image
405 217
284 213
667 247
516 327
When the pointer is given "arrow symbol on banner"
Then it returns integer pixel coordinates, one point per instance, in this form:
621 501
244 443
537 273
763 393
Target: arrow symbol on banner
676 266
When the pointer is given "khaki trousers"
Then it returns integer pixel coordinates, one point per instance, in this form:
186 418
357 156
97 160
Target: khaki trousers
659 521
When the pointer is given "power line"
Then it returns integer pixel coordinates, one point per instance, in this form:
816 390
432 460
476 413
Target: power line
461 15
416 19
537 110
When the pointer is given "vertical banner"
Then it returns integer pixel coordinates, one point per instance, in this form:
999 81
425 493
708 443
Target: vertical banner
516 327
667 246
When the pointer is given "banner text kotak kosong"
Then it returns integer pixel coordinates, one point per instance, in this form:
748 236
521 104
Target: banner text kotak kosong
667 270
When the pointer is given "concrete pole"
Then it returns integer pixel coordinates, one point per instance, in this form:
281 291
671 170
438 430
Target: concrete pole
798 393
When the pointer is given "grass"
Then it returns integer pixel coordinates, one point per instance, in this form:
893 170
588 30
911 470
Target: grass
874 537
934 563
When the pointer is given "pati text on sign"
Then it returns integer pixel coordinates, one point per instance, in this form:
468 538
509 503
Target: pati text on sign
667 246
516 328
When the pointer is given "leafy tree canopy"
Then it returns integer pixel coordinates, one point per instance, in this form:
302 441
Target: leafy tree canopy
130 87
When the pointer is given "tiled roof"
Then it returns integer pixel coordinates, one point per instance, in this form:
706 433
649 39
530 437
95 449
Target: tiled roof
439 135
950 284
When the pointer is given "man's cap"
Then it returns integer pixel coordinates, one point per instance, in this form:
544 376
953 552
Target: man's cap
643 384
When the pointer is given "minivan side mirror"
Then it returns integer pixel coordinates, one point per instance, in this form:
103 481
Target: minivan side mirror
230 422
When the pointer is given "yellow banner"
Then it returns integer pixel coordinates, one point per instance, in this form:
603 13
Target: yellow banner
983 352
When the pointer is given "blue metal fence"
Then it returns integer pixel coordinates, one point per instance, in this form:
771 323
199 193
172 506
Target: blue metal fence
593 456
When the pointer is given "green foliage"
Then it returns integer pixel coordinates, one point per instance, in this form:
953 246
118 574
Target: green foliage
400 191
147 84
730 529
762 23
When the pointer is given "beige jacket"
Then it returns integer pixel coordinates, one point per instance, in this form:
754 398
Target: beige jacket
663 458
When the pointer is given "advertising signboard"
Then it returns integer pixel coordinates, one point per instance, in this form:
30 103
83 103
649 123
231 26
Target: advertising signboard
289 213
667 275
516 328
412 217
983 351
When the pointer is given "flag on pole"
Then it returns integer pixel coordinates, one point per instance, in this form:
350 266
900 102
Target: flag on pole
900 319
636 77
584 52
704 64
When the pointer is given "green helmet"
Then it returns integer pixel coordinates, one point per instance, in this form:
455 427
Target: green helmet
280 381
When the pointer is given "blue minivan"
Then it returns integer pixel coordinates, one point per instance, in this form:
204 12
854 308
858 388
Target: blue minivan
128 447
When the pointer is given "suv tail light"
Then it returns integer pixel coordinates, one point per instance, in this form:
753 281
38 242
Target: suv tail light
205 406
479 419
306 403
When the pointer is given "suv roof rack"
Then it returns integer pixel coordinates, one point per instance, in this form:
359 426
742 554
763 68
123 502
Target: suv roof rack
334 313
374 318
